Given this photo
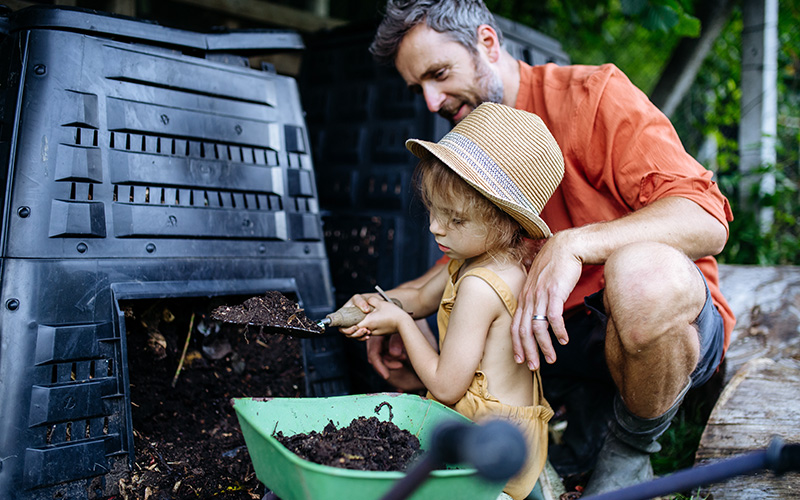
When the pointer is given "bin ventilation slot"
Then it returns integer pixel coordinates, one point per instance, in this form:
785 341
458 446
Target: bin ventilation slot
156 195
79 371
87 136
166 145
75 431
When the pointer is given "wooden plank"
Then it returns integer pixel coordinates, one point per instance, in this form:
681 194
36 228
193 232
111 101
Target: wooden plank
274 14
123 7
18 4
759 402
766 302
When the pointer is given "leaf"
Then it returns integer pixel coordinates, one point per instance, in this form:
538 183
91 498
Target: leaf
688 26
660 18
633 7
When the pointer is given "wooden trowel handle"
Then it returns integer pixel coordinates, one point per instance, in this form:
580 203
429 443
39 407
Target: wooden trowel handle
349 316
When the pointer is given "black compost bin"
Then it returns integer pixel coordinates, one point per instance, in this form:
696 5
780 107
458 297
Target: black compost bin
140 162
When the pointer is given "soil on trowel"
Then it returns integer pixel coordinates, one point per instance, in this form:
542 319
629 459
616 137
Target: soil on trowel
366 444
273 309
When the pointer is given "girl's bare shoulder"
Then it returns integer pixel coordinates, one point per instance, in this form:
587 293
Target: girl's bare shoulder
512 273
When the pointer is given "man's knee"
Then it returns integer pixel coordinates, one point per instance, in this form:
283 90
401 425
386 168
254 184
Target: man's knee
651 289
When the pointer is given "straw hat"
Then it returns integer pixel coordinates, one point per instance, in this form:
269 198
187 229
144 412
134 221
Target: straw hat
508 155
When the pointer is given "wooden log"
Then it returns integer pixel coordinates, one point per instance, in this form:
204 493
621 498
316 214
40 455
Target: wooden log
759 402
766 302
267 12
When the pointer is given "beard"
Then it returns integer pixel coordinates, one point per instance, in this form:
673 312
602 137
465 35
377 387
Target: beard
488 88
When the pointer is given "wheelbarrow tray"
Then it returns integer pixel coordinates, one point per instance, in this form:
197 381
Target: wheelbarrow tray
293 478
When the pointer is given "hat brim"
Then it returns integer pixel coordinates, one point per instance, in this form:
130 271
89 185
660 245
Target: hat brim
529 220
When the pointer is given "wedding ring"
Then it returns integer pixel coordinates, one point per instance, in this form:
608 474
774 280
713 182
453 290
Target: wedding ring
539 317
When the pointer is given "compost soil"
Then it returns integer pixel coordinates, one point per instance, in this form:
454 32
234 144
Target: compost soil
367 443
187 439
273 309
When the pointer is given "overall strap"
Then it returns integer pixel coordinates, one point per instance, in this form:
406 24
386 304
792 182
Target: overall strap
498 285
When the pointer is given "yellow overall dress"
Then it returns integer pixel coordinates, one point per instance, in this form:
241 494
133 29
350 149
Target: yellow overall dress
478 404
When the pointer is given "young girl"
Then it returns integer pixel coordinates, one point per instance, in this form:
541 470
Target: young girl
484 184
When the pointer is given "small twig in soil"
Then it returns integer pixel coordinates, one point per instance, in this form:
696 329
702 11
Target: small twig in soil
185 348
378 409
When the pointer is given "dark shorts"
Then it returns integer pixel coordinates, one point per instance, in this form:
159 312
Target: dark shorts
584 355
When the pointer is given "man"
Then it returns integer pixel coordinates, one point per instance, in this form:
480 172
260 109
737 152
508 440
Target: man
627 285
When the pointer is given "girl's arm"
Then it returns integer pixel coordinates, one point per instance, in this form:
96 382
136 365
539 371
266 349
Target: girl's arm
447 375
421 302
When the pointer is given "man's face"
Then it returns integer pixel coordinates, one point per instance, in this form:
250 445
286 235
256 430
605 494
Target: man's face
453 80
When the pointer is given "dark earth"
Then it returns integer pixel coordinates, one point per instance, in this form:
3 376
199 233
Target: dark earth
365 444
274 311
187 439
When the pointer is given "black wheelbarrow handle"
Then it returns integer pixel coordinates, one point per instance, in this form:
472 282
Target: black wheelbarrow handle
778 457
496 449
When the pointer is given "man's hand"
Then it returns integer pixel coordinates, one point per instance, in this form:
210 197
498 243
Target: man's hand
386 353
553 275
532 248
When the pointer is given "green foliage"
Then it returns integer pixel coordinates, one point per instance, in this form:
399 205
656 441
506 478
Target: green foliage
679 443
600 31
662 15
754 240
711 111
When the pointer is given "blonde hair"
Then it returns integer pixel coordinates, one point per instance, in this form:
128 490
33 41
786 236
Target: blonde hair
441 189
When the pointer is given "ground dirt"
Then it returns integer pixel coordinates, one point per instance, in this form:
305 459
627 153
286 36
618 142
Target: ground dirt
187 439
188 443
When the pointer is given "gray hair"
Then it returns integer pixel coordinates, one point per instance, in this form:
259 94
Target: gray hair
458 19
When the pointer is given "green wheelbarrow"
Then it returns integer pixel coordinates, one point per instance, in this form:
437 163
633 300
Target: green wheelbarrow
435 425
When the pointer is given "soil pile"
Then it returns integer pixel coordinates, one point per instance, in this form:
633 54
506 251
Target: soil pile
366 444
273 309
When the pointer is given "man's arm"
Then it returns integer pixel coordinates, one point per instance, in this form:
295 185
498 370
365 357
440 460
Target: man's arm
555 271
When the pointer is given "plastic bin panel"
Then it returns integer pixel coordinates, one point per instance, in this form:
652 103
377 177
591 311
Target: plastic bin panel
174 222
66 343
72 461
158 119
155 170
72 402
179 73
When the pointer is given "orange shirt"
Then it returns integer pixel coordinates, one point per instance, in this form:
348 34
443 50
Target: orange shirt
620 153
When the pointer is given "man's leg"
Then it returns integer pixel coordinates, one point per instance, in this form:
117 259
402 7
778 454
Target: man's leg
654 297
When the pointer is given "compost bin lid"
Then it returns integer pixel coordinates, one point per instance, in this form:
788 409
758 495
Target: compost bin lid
114 25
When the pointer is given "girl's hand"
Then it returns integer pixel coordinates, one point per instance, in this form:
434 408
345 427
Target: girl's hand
384 319
360 301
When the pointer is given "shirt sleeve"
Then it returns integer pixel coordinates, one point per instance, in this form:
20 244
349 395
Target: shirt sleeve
634 153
